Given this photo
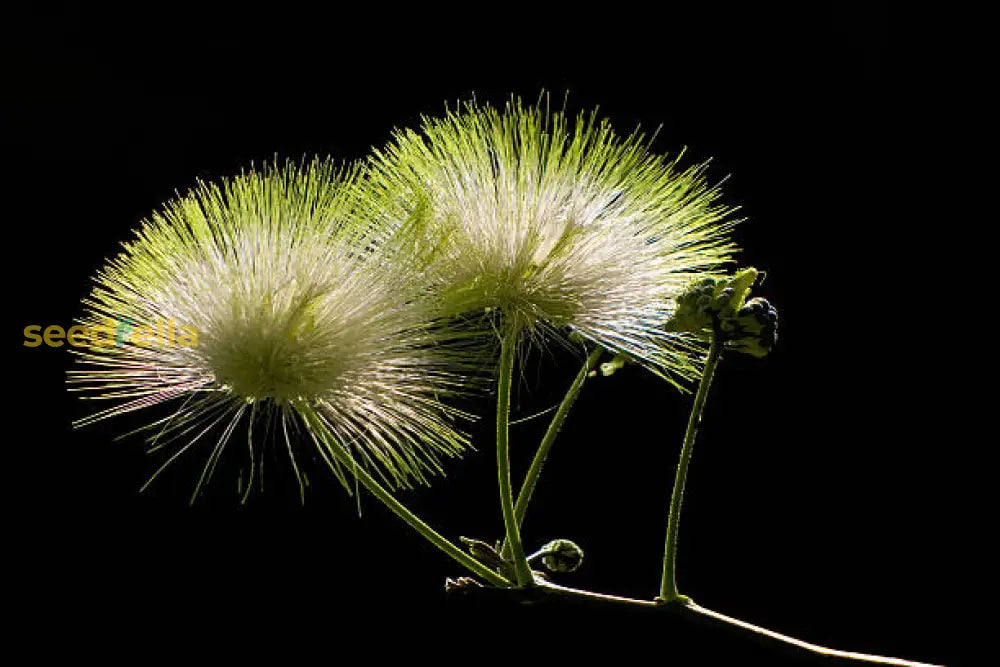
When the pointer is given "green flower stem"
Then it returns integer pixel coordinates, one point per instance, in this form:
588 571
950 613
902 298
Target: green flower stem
427 532
506 372
400 510
531 479
668 587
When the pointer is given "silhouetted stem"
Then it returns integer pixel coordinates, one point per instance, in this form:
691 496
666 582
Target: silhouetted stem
544 589
506 372
398 508
668 586
531 479
814 648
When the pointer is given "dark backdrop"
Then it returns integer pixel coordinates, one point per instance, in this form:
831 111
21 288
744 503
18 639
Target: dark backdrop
810 496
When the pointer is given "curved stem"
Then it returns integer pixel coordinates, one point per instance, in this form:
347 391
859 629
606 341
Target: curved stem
427 532
703 615
400 510
531 479
668 586
814 648
506 372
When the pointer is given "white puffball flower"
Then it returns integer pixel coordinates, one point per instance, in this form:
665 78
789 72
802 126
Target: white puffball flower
304 315
558 224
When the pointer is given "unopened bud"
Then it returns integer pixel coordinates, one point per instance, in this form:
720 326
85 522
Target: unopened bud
561 556
718 307
616 364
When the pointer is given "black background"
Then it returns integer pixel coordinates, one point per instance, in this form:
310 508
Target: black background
811 498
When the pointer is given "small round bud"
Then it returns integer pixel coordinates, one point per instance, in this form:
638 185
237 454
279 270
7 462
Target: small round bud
616 364
561 556
723 299
754 330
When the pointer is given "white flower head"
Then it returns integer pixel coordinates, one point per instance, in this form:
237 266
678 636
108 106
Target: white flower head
556 223
304 316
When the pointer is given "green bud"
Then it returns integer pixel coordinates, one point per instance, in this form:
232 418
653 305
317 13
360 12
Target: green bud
616 364
561 556
483 552
719 307
694 307
754 329
740 285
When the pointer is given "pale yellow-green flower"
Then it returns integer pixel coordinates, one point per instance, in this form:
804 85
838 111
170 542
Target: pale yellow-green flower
556 224
305 315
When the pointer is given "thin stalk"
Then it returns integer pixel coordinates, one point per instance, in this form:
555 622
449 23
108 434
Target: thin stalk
531 479
427 532
668 586
709 618
765 634
399 509
556 589
506 372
